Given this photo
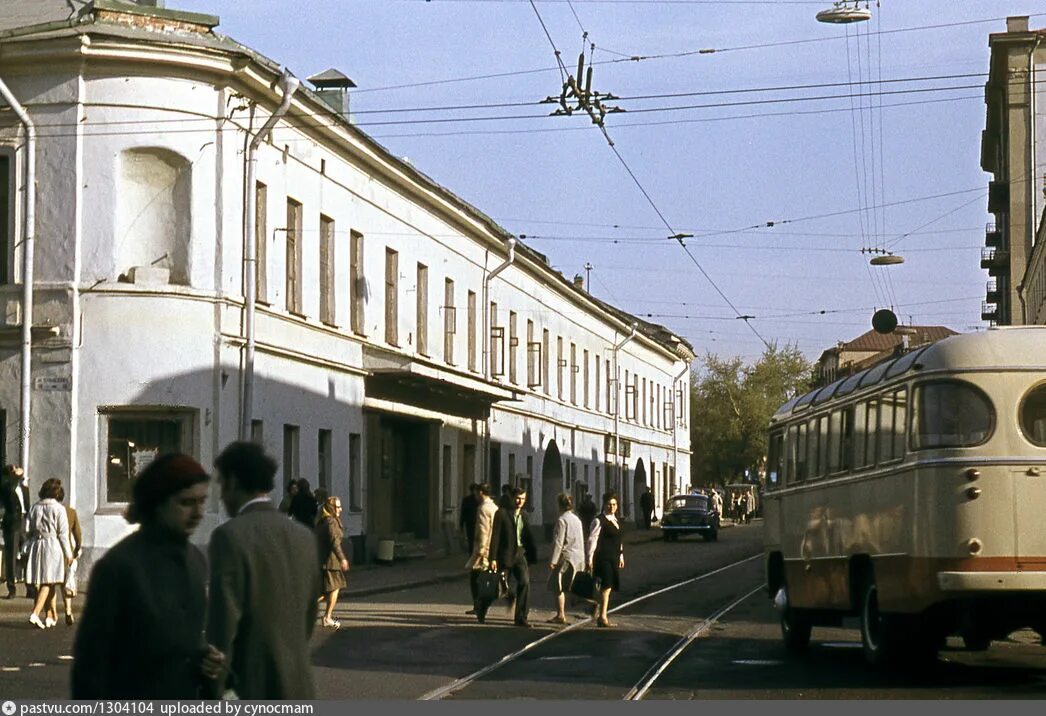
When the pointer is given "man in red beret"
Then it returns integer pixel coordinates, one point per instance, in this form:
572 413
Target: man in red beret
140 635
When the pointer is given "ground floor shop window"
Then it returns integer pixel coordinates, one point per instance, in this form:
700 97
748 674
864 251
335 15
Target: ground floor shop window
134 438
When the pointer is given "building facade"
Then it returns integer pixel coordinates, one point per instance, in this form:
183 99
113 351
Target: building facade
872 347
405 345
1015 253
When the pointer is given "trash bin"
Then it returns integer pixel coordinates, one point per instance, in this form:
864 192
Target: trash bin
386 550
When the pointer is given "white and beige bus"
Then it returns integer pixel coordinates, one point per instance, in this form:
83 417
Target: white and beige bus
913 495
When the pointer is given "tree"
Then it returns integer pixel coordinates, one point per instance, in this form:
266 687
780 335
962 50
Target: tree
731 405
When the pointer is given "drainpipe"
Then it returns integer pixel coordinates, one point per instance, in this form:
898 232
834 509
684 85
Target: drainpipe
675 426
27 269
485 338
1032 179
288 85
617 406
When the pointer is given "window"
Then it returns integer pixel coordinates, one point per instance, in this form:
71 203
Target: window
596 384
472 330
392 280
951 414
528 483
835 426
1033 415
801 457
611 382
261 232
513 345
293 234
584 382
635 397
496 346
866 430
629 409
291 466
323 459
561 363
513 478
573 374
643 403
788 477
534 358
422 290
355 474
448 478
327 270
134 438
358 286
258 432
774 463
450 321
545 338
900 423
892 411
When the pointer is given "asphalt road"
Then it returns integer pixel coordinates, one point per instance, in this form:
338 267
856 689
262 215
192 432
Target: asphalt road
419 642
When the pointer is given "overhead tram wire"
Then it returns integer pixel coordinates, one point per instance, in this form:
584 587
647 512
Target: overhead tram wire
639 58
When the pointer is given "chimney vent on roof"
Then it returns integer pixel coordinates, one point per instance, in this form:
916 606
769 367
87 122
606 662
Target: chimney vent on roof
333 88
579 281
150 3
1017 23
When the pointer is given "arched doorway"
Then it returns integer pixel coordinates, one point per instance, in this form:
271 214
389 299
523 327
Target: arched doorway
551 485
638 485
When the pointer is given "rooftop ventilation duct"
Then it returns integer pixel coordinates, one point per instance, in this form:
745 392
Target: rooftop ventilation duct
333 88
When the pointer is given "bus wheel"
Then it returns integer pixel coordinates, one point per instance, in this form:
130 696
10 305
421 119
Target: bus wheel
796 626
876 628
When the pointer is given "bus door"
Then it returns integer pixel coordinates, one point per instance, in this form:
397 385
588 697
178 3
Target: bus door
1029 493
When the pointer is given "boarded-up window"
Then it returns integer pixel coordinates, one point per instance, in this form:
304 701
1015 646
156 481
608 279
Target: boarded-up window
450 321
472 330
327 270
513 346
422 290
357 283
392 269
261 245
293 233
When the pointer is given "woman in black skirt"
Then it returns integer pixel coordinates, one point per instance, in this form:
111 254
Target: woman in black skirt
605 556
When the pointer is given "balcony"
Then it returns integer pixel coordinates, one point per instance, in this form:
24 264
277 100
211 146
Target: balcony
992 292
992 236
989 312
996 261
998 197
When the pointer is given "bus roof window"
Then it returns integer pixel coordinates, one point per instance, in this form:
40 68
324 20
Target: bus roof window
904 363
805 400
876 373
787 407
827 392
850 384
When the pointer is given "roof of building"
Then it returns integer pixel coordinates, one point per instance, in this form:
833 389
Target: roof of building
45 19
874 342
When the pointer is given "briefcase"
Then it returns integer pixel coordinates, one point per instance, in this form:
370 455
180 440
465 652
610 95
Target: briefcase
583 586
487 586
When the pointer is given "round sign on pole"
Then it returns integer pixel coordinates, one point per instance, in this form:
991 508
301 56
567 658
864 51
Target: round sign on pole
884 321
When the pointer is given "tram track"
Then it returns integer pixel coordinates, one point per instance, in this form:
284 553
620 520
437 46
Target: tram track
464 682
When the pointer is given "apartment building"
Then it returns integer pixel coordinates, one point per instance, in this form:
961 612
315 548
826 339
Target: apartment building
400 345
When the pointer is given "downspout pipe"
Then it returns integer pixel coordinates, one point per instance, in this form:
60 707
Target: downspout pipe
28 236
617 404
485 339
675 426
288 85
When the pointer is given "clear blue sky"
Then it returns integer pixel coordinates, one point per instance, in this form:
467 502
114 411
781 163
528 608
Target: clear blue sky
710 171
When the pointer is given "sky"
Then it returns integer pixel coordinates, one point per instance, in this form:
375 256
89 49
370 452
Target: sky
843 137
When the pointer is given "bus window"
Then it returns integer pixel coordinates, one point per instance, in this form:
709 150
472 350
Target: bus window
865 429
822 457
1033 415
774 462
834 438
846 441
900 420
800 454
814 443
886 428
950 414
789 468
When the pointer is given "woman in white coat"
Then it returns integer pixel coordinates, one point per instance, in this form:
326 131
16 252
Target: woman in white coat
568 555
48 551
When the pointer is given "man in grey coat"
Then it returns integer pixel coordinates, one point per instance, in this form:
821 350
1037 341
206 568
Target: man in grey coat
264 585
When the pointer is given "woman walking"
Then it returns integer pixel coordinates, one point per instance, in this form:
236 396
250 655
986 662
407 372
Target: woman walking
77 542
329 533
568 555
606 556
48 552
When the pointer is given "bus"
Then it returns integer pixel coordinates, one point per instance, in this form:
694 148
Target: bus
912 495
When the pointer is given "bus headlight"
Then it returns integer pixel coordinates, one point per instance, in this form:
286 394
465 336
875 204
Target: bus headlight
973 474
973 492
974 545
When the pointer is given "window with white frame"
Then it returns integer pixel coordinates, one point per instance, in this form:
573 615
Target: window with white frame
134 437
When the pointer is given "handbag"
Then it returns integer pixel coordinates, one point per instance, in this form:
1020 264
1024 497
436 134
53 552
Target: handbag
583 586
487 586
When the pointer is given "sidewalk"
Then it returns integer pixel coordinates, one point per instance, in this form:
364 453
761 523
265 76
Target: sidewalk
369 579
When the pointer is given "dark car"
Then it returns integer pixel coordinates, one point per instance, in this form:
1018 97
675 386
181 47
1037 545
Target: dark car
690 514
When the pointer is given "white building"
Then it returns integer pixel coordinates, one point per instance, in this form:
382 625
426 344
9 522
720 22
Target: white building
372 374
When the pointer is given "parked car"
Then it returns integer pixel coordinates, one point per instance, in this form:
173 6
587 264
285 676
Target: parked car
689 514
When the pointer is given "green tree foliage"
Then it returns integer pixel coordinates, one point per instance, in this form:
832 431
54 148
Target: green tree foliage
731 404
